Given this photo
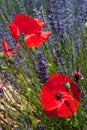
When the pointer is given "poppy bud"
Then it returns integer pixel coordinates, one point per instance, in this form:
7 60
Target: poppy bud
86 26
78 75
1 55
68 85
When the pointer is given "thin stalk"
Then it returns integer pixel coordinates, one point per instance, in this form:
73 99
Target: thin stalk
3 19
4 5
5 92
82 49
7 115
3 120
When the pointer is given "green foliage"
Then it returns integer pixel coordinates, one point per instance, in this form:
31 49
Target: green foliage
26 104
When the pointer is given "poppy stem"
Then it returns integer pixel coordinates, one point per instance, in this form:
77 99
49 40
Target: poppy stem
3 19
43 13
81 54
6 10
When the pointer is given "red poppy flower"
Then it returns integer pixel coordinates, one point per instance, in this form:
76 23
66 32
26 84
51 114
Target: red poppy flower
8 51
30 27
59 100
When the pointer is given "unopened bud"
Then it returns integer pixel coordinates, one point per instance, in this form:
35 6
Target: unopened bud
68 85
78 75
1 55
86 26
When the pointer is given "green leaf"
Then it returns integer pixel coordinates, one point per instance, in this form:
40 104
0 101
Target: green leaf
25 108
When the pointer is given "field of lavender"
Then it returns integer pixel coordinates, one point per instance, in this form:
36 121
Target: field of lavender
43 63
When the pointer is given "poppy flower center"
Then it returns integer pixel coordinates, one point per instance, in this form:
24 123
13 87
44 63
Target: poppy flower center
58 96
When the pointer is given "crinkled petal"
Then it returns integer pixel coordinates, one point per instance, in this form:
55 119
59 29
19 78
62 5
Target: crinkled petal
48 100
27 24
35 40
14 31
64 109
68 108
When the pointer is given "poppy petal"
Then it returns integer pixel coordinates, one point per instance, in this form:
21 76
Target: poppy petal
52 113
56 82
5 45
68 108
75 91
49 102
40 22
27 24
8 53
18 46
35 40
14 31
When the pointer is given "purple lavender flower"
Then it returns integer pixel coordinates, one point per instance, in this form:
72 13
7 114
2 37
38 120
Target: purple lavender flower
59 61
24 123
8 77
41 67
84 99
55 17
84 10
17 128
20 6
40 127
